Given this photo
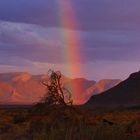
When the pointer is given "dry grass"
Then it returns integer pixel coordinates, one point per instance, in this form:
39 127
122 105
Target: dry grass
69 124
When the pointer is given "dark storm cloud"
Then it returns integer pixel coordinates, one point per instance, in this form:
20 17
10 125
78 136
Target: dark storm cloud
31 31
40 12
29 42
90 14
40 44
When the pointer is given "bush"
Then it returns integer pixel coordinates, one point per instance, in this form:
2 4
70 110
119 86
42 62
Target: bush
18 119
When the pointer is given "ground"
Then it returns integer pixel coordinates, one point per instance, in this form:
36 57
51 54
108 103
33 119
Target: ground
69 124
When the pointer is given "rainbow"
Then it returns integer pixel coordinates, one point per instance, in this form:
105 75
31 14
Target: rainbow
70 38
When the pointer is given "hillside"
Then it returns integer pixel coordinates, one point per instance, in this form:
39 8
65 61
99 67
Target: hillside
24 88
127 93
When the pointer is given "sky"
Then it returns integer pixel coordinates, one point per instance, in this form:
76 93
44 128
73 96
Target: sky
107 33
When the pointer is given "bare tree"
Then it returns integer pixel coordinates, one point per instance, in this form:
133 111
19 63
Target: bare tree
56 93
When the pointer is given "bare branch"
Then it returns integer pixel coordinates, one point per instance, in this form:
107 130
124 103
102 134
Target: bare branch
56 94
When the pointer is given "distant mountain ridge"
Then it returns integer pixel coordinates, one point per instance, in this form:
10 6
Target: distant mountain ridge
24 88
127 93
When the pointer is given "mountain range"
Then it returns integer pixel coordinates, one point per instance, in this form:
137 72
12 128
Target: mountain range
125 94
24 88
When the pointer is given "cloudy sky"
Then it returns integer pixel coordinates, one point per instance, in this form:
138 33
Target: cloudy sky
108 32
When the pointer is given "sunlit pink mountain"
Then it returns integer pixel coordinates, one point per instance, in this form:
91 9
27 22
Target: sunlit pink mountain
24 88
